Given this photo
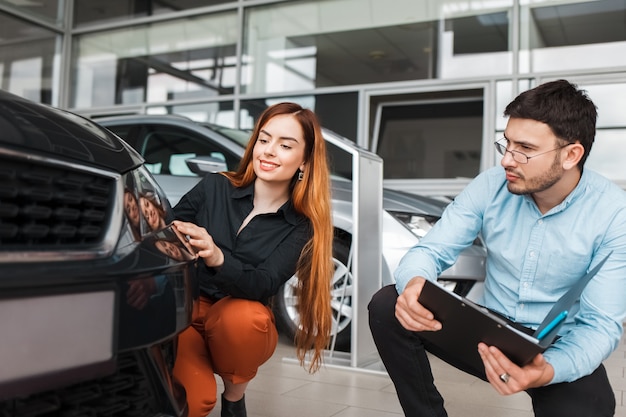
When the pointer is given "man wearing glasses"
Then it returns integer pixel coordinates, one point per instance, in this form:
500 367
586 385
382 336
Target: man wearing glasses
545 222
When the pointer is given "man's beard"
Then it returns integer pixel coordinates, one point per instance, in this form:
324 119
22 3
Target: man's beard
540 183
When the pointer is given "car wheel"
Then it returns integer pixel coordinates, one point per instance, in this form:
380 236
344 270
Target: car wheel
341 301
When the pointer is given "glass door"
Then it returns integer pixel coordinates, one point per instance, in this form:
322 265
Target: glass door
431 142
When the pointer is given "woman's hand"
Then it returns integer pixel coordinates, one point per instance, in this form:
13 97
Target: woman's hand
410 313
202 242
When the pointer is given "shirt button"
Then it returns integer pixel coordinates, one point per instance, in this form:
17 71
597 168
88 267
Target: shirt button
521 306
531 254
540 221
525 285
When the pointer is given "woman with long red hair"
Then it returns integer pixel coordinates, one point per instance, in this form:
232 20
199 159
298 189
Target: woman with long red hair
253 229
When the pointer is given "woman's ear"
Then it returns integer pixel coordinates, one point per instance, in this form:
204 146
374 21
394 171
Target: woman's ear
575 152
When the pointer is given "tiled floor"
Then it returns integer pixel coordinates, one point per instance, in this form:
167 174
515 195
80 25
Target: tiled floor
284 389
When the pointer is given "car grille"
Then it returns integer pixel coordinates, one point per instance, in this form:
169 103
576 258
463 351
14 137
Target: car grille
45 206
127 393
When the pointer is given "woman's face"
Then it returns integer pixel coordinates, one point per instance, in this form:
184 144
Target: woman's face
279 150
170 249
150 213
132 208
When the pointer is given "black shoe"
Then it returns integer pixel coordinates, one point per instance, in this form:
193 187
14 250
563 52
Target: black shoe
234 409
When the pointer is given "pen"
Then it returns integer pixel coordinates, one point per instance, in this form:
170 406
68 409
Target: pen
562 315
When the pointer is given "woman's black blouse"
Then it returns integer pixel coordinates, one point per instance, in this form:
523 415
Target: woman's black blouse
258 260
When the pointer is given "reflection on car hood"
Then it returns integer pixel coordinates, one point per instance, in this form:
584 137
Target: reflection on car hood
48 131
393 200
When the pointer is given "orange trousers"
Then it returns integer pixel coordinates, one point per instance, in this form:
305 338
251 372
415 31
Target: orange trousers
231 337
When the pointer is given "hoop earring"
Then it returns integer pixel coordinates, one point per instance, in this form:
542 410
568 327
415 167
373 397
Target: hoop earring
300 175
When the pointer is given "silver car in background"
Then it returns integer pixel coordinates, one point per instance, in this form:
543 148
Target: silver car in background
179 151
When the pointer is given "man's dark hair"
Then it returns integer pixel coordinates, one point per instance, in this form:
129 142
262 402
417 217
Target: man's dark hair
568 111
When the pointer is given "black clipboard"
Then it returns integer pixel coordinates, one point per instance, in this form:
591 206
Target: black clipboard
465 324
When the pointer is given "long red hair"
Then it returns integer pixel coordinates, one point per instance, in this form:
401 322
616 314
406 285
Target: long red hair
311 197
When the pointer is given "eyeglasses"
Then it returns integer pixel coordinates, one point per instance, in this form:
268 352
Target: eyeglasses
518 156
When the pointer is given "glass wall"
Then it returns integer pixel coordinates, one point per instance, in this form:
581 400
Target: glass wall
29 59
102 11
311 44
224 61
561 36
476 39
171 60
430 135
609 149
49 11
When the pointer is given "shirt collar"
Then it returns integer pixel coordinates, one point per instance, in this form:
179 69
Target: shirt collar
578 191
287 210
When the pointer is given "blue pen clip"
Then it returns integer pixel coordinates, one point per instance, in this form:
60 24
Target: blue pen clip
558 319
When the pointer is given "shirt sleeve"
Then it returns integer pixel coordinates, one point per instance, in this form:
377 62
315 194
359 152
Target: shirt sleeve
191 203
458 227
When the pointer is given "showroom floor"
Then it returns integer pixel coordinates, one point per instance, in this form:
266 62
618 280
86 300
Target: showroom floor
284 389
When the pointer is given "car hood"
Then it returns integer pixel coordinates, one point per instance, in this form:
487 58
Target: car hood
40 129
393 200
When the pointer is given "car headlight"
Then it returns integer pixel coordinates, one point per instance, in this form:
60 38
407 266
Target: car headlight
146 208
418 224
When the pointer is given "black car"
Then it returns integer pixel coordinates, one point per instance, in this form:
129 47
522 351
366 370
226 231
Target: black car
94 287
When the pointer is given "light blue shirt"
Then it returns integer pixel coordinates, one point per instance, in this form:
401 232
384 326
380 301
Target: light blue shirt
534 258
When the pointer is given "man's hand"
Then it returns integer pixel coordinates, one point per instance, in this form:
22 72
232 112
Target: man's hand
410 313
536 374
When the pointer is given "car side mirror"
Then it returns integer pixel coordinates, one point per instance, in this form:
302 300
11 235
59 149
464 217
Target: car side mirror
202 165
